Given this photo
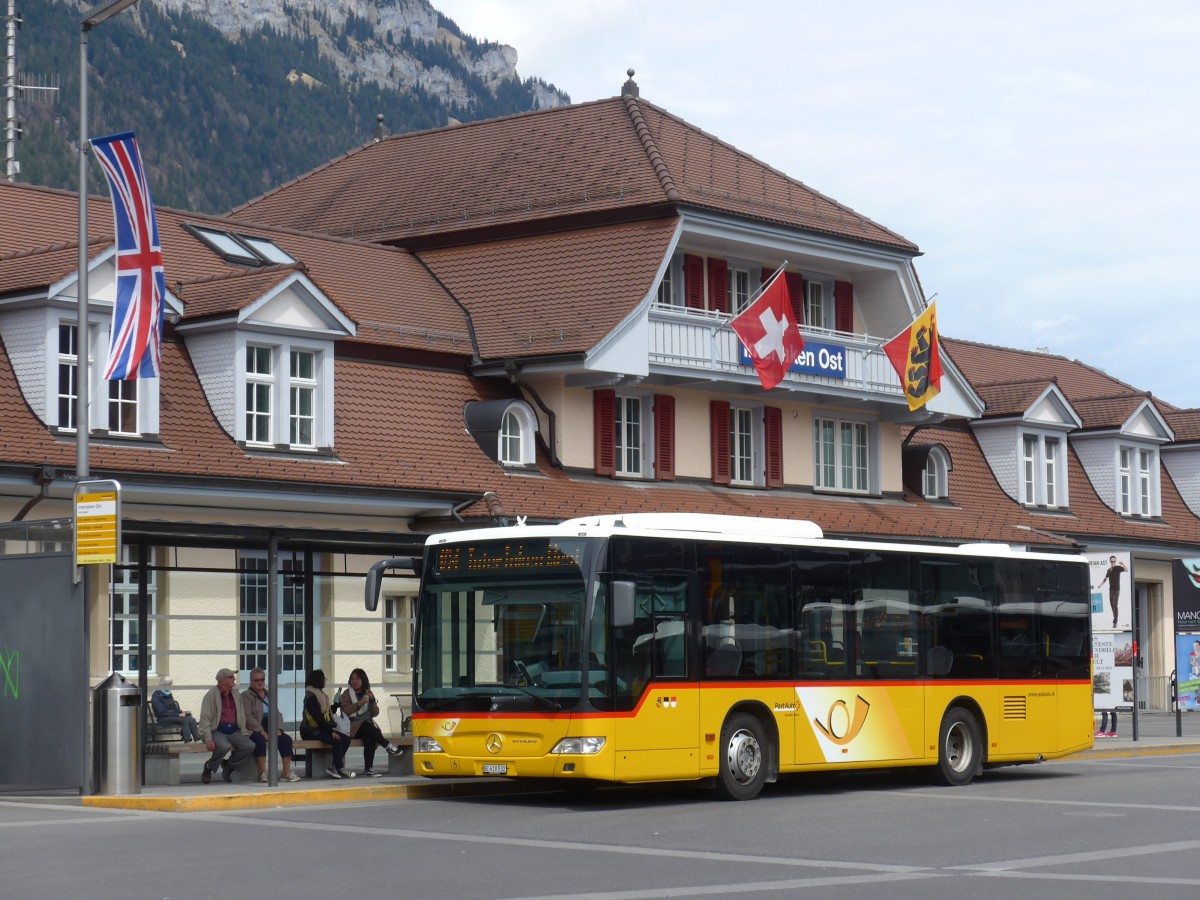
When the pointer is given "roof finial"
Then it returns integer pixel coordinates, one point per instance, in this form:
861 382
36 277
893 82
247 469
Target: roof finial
630 88
378 127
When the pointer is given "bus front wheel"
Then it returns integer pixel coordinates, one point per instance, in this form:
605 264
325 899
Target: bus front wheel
960 748
743 758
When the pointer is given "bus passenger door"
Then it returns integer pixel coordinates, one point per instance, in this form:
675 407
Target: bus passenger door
658 741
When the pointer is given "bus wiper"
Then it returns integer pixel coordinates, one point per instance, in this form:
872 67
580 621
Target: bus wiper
546 701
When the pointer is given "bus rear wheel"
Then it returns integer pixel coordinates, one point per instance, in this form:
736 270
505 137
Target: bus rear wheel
743 758
960 748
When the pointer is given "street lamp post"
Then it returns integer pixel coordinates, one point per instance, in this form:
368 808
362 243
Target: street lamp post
99 13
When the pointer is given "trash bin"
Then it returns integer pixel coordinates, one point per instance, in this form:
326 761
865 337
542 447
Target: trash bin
117 727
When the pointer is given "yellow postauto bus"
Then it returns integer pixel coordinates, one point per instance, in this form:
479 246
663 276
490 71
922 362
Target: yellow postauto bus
669 647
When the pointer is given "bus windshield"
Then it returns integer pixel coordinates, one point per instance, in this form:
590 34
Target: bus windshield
500 625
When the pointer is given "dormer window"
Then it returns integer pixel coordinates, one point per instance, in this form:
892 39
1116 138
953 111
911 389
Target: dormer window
517 429
298 425
127 411
935 478
1042 471
504 429
1137 481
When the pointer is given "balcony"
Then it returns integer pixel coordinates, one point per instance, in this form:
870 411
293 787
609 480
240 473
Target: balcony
692 341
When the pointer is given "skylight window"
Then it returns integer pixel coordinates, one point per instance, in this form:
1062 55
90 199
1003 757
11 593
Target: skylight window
244 249
266 249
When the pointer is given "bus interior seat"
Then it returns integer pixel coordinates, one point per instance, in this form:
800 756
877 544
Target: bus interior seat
724 660
939 660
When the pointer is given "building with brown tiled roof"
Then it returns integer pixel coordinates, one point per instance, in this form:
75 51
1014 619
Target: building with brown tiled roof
528 318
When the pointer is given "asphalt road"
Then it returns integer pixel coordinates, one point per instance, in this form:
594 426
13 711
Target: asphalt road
1100 828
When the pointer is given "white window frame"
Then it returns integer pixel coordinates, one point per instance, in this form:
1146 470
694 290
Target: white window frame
301 387
398 625
935 477
125 590
746 441
1043 470
145 405
633 461
629 424
122 397
253 600
817 297
1138 482
831 470
515 439
258 381
67 365
282 388
670 289
737 287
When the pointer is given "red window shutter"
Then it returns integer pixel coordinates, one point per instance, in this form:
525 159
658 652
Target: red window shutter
718 285
773 433
795 285
604 425
664 437
843 298
719 427
693 281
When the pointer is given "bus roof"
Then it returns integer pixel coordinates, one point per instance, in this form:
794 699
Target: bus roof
733 528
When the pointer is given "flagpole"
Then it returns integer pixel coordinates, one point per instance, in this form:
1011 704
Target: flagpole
761 288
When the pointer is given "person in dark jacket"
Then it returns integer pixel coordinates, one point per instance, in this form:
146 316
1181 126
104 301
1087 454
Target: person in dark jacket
167 711
317 724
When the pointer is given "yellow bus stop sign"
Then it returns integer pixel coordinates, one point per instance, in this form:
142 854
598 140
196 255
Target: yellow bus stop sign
97 522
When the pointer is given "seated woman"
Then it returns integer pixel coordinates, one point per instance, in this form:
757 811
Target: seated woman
167 712
358 703
255 701
317 724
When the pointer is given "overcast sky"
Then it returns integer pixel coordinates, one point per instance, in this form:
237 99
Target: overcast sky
1043 155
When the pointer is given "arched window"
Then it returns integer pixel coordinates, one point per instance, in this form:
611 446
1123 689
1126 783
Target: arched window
935 480
517 428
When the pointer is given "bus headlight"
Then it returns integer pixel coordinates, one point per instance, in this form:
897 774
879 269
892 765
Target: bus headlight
584 746
427 745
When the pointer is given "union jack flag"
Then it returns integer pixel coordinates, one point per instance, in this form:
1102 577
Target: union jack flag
141 284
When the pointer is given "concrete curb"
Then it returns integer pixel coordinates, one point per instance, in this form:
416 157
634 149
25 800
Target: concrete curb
267 799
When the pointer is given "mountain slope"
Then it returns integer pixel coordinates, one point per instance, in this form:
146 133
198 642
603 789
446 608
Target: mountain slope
232 97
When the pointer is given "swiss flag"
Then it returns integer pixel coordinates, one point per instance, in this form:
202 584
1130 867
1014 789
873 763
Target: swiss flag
769 332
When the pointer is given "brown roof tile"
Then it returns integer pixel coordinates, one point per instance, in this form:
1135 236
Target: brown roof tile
388 293
556 293
598 157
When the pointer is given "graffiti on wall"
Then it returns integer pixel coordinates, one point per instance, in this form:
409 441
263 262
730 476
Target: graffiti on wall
10 673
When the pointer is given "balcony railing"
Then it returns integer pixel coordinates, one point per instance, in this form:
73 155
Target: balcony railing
700 340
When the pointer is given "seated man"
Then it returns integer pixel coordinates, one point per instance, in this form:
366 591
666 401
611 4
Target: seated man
167 711
223 727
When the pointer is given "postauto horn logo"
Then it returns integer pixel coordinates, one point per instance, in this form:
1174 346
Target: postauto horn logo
842 725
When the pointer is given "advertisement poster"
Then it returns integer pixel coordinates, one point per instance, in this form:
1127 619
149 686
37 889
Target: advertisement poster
1112 591
1185 581
1187 667
1112 671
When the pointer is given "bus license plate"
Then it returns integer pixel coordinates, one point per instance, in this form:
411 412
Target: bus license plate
495 768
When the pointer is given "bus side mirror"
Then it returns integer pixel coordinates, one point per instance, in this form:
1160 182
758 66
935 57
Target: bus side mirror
623 597
375 578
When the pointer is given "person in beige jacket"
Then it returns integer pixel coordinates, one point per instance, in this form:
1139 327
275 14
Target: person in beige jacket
255 702
223 727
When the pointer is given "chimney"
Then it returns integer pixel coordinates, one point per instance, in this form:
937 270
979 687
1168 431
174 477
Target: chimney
630 88
379 133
